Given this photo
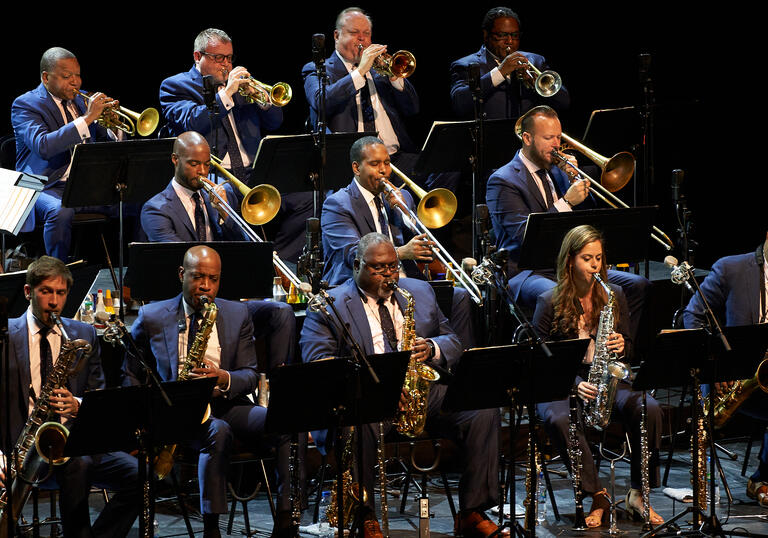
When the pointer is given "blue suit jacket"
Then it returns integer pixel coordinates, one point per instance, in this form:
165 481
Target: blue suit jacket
181 100
163 218
521 98
156 332
340 105
346 218
732 289
319 339
90 376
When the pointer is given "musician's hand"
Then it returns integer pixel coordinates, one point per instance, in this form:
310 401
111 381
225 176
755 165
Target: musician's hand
723 386
571 159
421 350
587 391
2 469
222 376
403 400
615 343
368 56
513 62
96 105
236 79
418 248
577 192
221 191
63 403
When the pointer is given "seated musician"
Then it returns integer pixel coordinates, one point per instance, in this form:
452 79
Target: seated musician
735 291
530 184
35 350
361 208
572 310
229 356
184 212
366 297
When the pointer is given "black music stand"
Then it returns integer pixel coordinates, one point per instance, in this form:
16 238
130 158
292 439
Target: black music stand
108 173
20 192
676 359
510 374
326 392
129 417
153 269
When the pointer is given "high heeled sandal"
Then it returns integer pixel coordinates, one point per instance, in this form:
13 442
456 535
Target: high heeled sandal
637 513
758 491
599 512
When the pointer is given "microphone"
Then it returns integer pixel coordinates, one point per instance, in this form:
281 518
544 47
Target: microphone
209 91
468 265
481 224
318 49
680 273
678 176
473 78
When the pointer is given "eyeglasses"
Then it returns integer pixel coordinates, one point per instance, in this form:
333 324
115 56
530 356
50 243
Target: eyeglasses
382 268
501 36
219 58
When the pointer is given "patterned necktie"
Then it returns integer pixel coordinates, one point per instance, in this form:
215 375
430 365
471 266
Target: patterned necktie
366 105
199 218
547 184
194 325
382 215
235 159
387 327
46 357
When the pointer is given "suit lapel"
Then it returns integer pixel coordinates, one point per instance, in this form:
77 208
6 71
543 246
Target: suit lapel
533 188
177 208
357 314
19 338
752 284
337 71
51 107
171 337
361 209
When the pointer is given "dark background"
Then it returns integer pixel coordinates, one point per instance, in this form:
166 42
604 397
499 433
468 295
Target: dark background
707 83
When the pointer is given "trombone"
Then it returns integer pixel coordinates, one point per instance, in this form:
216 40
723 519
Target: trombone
436 208
126 120
279 93
419 228
260 204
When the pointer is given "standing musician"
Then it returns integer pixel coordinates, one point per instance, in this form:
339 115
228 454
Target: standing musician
35 344
736 292
500 61
361 208
530 184
48 123
375 318
183 212
229 356
572 310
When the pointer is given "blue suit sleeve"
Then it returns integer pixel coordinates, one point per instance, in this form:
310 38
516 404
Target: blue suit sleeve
244 376
132 371
461 94
318 339
31 126
157 224
715 289
339 231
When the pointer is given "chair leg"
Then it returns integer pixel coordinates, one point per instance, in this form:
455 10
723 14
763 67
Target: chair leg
233 508
448 494
54 517
746 455
549 489
269 492
182 504
35 513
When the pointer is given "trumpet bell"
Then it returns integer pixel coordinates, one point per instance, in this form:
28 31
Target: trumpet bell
437 208
147 122
618 171
402 64
548 83
260 204
281 94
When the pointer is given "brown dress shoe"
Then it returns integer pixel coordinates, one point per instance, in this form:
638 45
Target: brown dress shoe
474 525
371 528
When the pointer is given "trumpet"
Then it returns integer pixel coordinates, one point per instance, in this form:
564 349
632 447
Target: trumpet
419 228
546 83
401 64
260 204
126 120
279 94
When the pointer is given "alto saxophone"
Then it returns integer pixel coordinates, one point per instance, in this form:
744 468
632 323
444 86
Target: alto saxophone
43 438
606 370
194 359
727 402
411 419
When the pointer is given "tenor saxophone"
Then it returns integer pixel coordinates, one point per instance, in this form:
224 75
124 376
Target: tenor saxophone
730 399
412 417
606 370
350 490
194 359
43 438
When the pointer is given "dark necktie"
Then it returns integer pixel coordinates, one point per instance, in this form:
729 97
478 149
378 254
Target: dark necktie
67 114
387 327
547 188
194 322
199 218
382 216
369 124
235 159
46 357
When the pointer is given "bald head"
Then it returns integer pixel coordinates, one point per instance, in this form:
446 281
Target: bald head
191 159
200 274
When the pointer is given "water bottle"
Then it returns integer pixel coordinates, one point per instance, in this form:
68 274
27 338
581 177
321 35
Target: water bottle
278 292
709 484
324 528
86 314
541 500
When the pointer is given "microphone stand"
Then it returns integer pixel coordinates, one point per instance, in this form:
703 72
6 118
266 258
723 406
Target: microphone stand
209 97
311 260
318 178
7 442
476 161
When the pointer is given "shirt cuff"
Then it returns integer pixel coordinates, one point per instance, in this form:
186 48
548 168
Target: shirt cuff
226 100
436 358
82 128
496 76
229 384
398 84
562 206
358 80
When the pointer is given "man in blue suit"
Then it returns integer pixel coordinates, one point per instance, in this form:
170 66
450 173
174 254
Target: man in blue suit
164 331
499 62
35 345
530 184
735 291
374 316
48 123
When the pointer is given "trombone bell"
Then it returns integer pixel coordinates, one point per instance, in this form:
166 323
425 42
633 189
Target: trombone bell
260 204
437 208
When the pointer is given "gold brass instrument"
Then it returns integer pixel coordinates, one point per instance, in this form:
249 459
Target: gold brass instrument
617 171
730 399
401 64
436 207
260 204
546 83
279 93
351 490
419 377
43 438
126 120
419 228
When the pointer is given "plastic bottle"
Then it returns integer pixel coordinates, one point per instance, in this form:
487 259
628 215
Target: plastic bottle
324 528
86 314
541 499
278 292
293 296
99 308
108 302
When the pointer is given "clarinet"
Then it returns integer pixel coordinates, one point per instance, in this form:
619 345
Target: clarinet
574 455
645 478
383 483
